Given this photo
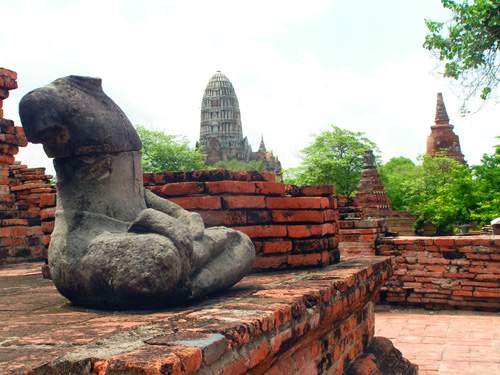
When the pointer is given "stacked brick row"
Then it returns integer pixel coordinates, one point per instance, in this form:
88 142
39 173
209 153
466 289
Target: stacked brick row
22 219
446 272
15 233
359 236
30 187
371 197
290 226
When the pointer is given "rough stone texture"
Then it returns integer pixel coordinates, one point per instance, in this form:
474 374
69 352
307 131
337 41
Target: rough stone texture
113 244
290 226
444 272
442 140
381 358
293 322
221 134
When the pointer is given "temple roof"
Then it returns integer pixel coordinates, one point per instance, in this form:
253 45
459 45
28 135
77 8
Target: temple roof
441 114
262 146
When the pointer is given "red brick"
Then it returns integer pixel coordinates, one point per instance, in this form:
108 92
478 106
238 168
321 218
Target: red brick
48 213
181 188
14 231
458 275
485 294
309 245
294 202
488 276
243 201
258 354
270 188
202 203
298 231
318 190
8 73
260 231
304 259
258 217
323 229
295 216
47 200
269 262
48 226
219 187
444 241
272 247
191 358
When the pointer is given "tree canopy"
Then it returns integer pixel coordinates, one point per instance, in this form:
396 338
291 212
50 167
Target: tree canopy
443 192
334 157
469 44
163 152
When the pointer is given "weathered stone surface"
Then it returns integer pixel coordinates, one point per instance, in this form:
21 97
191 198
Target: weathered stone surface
382 358
115 245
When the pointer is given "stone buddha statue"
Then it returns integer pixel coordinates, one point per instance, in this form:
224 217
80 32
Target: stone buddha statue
115 244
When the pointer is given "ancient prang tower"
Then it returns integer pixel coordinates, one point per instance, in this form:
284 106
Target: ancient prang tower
221 134
442 140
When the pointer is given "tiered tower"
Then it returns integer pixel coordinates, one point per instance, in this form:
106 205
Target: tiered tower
442 140
221 134
371 197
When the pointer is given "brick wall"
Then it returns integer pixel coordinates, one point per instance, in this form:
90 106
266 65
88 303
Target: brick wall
21 219
444 272
290 226
359 236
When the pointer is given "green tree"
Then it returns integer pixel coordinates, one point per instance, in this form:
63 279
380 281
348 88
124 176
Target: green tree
238 165
443 192
487 180
163 152
399 175
334 157
468 44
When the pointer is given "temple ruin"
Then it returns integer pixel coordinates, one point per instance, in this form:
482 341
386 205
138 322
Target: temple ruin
221 134
443 141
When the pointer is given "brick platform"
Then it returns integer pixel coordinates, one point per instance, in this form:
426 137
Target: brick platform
444 342
293 322
444 272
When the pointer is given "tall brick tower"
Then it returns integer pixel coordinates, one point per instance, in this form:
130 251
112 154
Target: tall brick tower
442 140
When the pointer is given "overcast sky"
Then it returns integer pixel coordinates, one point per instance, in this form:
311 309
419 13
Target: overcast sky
297 67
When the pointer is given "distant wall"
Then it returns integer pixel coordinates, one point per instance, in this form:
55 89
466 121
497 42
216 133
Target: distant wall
290 226
444 272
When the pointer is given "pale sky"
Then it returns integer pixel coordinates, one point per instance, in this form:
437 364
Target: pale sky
297 66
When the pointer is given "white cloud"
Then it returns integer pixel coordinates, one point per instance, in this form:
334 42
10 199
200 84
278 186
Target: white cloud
156 57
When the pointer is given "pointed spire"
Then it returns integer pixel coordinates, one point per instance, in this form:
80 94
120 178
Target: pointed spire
262 147
369 160
441 114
